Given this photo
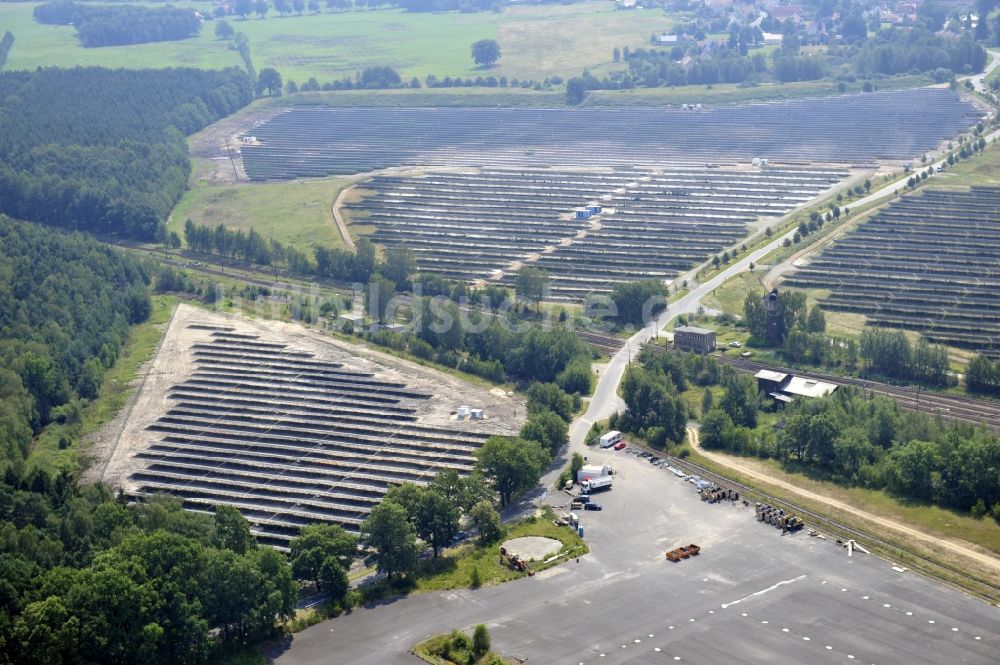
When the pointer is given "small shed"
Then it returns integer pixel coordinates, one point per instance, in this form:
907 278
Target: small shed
583 213
356 319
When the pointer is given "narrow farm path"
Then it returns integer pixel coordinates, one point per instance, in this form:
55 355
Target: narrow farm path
760 472
341 225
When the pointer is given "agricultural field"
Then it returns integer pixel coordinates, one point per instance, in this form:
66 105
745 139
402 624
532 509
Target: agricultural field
291 427
317 142
926 263
652 224
537 41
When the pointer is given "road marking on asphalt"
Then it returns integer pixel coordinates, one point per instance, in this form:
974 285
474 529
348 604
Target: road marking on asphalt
657 649
909 614
784 630
865 597
886 605
978 637
930 621
805 638
829 648
955 629
763 591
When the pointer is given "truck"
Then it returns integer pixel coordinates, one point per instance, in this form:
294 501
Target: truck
610 439
598 484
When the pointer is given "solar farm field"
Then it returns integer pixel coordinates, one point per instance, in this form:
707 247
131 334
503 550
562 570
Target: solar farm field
928 263
315 142
652 224
291 428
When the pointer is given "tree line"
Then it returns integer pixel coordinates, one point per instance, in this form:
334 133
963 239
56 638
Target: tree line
896 51
983 375
798 333
116 25
5 45
103 150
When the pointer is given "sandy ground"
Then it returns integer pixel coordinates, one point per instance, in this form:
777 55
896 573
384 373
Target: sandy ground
747 467
533 548
114 456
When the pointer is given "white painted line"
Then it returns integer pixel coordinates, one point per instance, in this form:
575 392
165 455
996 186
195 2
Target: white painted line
637 641
829 648
900 569
743 614
784 630
850 656
657 649
978 637
909 614
765 622
805 638
955 630
763 591
677 657
886 605
865 597
930 621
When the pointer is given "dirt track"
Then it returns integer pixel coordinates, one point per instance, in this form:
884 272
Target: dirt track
758 472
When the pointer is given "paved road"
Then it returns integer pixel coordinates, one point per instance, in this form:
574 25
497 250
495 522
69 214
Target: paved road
979 80
752 596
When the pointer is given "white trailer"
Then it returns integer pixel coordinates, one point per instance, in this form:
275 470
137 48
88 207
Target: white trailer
596 484
610 439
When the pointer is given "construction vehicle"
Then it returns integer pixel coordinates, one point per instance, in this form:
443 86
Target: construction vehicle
515 562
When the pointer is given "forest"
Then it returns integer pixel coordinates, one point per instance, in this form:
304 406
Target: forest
102 150
84 577
66 303
116 25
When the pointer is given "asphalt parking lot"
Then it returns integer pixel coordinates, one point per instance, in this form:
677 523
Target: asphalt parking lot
753 595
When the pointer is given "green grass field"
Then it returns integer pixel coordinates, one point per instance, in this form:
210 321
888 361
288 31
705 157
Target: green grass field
537 41
296 213
982 169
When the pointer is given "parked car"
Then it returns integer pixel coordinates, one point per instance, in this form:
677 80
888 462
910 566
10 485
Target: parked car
582 498
593 506
620 445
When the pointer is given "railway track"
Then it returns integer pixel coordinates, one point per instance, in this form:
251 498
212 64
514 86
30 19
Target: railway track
985 589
